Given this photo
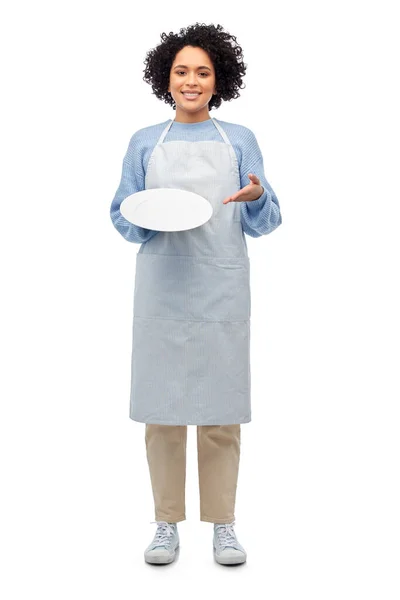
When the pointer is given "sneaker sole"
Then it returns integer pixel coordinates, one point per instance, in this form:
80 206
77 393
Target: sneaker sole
161 560
226 560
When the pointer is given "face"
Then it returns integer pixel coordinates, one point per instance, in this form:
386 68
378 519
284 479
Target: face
192 71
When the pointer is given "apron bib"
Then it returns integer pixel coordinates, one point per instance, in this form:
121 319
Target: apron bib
191 324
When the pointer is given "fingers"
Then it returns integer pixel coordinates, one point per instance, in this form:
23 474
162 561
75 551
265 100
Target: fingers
254 178
233 198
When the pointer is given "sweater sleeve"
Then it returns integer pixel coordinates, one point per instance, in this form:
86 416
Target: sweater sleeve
259 217
132 181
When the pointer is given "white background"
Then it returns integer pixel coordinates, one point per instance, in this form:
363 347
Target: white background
318 496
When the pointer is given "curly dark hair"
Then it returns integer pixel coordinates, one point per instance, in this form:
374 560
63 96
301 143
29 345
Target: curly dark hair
222 48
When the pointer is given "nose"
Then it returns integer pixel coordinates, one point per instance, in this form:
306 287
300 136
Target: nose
191 78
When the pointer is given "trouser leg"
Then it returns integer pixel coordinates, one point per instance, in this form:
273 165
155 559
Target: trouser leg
166 456
218 452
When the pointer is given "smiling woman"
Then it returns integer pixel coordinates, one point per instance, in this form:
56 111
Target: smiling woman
191 328
222 64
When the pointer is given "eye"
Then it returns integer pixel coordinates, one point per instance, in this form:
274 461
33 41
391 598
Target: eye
202 73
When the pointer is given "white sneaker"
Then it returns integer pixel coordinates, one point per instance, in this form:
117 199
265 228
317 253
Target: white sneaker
162 549
227 550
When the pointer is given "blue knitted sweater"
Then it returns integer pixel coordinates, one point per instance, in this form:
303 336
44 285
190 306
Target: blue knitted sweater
258 217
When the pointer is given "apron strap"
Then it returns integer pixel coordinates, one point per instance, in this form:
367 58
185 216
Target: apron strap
164 133
222 132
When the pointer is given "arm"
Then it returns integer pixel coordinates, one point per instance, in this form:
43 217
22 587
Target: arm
132 181
261 216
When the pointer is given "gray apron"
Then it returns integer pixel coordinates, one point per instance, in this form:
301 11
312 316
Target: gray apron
191 325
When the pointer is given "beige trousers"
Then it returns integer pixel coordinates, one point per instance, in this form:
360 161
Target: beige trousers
218 453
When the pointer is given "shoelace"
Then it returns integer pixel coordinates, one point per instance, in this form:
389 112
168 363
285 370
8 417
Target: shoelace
226 535
164 533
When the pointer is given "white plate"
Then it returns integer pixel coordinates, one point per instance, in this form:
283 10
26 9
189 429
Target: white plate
166 209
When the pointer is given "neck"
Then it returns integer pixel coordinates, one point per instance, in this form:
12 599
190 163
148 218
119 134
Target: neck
185 117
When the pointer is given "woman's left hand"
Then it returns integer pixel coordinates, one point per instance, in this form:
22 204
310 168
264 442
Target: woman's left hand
250 192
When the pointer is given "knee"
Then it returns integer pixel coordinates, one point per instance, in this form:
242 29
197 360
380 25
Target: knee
170 433
220 432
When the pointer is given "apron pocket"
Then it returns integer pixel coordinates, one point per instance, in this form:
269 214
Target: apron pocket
192 288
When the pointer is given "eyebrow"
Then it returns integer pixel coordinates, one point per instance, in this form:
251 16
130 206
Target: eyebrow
185 67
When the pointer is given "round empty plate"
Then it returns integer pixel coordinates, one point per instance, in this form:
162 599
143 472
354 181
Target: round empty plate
166 209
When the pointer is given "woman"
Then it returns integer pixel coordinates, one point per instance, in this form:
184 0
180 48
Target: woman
191 327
